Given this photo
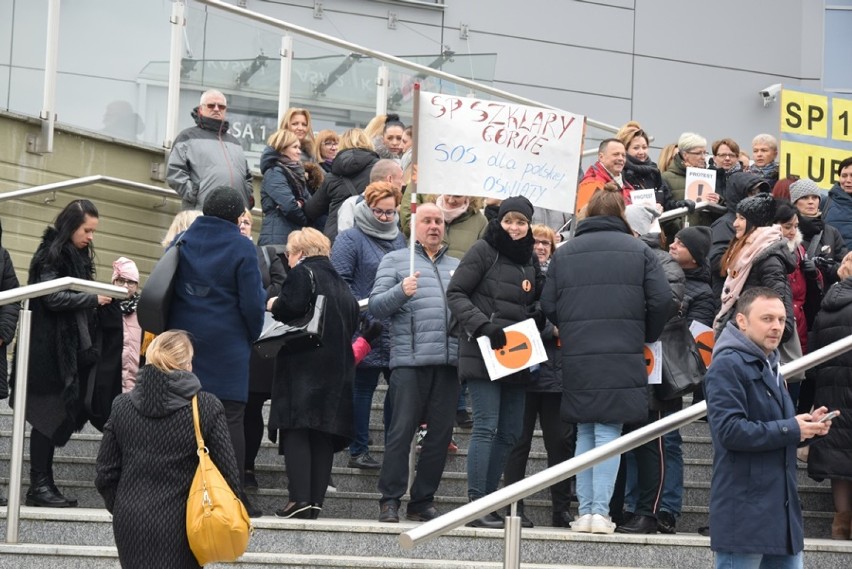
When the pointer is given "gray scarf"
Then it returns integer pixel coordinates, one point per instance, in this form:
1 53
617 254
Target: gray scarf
372 226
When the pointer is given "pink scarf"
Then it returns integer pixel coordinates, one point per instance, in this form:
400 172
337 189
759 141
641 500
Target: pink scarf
738 272
451 214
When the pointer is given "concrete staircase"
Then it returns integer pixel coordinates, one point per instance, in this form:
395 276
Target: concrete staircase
347 535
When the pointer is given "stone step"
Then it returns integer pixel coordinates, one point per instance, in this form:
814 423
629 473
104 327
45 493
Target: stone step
66 533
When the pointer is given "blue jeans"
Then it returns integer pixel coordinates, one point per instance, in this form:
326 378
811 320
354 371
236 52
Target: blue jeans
595 485
758 561
498 419
363 387
672 499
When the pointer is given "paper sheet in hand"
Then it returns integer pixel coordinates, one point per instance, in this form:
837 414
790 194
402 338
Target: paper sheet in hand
523 349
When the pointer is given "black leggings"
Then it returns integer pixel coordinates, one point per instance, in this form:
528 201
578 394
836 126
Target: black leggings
41 453
253 422
308 456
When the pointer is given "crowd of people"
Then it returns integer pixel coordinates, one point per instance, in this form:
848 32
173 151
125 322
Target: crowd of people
336 220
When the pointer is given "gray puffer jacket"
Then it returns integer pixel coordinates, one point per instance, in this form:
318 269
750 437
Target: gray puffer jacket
420 324
204 157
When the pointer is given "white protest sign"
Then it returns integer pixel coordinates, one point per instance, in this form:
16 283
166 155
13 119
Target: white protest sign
654 362
492 149
523 349
699 182
647 198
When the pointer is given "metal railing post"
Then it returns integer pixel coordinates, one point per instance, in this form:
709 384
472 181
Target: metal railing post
382 89
51 59
512 539
285 78
13 512
177 22
22 363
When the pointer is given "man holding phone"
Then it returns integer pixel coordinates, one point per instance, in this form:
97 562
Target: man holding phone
755 514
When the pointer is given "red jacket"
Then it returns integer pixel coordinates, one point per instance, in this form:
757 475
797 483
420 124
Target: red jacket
594 179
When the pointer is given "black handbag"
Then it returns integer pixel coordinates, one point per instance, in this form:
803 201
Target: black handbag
683 368
156 298
294 336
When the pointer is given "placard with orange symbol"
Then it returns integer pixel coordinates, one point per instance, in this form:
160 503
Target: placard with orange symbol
704 340
523 349
653 353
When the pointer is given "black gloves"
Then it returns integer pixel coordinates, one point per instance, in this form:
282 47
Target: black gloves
688 204
495 334
370 329
540 319
809 268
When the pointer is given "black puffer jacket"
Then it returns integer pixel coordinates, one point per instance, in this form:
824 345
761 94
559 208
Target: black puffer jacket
722 230
830 456
699 302
8 316
488 286
608 295
350 174
646 175
831 246
770 269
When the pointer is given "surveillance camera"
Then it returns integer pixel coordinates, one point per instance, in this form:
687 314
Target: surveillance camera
770 93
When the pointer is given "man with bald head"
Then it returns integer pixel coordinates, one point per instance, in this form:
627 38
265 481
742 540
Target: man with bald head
423 382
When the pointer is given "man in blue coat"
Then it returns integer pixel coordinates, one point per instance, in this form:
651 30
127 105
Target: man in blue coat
755 514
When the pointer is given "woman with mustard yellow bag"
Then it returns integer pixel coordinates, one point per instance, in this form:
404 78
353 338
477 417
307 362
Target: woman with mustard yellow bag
148 457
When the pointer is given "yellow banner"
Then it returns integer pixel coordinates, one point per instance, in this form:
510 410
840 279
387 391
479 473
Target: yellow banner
804 113
819 163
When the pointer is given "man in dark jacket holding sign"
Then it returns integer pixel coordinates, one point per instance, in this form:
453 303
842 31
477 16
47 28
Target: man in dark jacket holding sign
423 358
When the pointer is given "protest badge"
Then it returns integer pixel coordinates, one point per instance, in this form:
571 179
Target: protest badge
523 349
699 183
654 362
704 340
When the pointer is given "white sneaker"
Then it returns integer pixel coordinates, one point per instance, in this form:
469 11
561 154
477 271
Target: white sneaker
582 523
601 524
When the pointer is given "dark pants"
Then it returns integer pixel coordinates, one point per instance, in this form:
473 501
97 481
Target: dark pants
308 455
558 441
41 453
363 387
234 414
254 427
649 465
429 392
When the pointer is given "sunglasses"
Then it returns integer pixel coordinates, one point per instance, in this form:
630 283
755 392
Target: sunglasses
213 106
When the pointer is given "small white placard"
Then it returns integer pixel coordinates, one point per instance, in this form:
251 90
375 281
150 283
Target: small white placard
647 198
699 182
523 349
654 362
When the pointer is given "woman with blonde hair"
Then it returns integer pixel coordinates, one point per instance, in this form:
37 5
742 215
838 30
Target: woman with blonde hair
356 255
350 174
283 191
147 459
298 121
312 390
183 219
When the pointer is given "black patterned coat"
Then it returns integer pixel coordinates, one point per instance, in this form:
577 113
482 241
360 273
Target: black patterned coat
147 461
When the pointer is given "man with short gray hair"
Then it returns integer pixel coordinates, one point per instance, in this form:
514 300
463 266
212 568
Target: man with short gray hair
206 156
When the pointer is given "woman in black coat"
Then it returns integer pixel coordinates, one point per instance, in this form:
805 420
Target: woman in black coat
496 285
312 389
831 456
148 457
261 370
63 354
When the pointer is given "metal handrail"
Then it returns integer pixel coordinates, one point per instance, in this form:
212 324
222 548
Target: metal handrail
423 69
13 512
546 478
88 181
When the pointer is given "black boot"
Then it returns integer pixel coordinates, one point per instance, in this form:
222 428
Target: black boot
43 493
72 502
